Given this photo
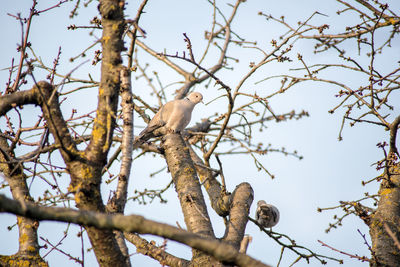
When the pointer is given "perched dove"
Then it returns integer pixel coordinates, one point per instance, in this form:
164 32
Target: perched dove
174 115
267 215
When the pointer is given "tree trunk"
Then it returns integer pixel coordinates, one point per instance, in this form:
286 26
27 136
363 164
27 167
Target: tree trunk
385 222
28 240
189 192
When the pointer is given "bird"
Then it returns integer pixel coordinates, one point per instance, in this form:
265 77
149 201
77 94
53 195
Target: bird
267 215
175 115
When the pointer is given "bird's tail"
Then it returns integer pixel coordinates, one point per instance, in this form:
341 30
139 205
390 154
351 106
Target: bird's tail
137 142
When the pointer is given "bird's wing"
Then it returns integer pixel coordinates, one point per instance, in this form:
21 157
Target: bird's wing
269 215
180 115
159 120
175 115
258 211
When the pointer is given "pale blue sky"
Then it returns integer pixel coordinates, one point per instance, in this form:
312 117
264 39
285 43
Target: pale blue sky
330 171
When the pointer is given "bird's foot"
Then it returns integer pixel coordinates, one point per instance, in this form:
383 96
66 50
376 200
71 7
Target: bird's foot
172 131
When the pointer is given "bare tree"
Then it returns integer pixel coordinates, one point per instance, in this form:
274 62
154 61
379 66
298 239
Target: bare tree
372 101
86 148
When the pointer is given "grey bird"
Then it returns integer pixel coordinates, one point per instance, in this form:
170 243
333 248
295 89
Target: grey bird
267 215
175 115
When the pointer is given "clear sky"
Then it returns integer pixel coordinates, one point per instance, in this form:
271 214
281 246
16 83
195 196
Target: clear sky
330 171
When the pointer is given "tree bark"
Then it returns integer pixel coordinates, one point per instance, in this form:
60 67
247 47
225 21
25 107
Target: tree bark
242 197
118 201
189 191
187 185
220 199
28 240
384 250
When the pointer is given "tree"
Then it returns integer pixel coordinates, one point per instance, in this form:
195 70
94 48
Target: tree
87 146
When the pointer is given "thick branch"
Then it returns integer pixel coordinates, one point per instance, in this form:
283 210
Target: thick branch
28 240
132 224
188 188
187 185
220 199
112 46
45 95
242 198
118 201
147 248
7 102
48 100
